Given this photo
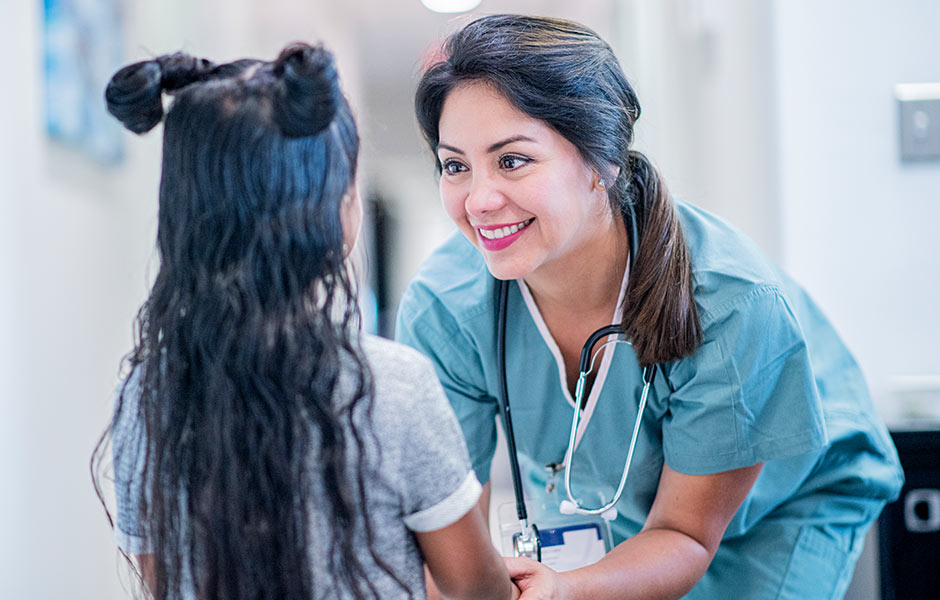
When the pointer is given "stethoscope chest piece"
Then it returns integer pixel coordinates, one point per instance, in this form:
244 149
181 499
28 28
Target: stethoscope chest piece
526 543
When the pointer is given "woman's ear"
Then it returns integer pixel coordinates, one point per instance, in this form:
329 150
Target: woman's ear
603 181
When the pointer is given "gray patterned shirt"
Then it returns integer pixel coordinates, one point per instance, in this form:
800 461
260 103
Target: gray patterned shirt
420 476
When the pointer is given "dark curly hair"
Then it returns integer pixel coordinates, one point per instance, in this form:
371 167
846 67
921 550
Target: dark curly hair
242 340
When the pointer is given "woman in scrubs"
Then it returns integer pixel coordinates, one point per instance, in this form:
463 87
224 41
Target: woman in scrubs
761 462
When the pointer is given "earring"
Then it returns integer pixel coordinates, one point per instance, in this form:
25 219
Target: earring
602 183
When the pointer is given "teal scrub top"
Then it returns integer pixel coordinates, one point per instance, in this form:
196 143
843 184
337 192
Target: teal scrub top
771 382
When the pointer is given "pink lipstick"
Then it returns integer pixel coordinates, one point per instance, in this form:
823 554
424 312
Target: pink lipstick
497 237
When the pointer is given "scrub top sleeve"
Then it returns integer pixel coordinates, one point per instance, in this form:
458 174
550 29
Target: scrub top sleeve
437 485
424 324
748 394
129 452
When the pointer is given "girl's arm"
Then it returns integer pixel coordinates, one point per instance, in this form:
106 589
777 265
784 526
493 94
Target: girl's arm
462 561
667 558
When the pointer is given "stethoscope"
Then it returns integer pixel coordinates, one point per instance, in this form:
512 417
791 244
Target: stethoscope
526 542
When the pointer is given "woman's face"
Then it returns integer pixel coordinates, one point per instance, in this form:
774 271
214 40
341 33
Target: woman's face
515 187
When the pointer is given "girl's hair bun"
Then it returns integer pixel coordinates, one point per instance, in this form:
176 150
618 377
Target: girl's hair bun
180 69
134 96
135 93
308 93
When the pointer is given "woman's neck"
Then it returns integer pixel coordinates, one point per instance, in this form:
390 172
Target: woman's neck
587 280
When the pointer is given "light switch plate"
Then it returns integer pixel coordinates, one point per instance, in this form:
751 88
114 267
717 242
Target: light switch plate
919 121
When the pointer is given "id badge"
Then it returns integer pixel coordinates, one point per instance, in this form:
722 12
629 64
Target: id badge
568 541
572 546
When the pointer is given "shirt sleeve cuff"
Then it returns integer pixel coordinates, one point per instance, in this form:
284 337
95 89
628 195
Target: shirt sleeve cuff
450 509
783 448
132 544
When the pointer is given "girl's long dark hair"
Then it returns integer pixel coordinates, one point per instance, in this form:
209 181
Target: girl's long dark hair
565 75
249 324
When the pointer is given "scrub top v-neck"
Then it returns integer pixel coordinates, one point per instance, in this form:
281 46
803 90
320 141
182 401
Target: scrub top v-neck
600 369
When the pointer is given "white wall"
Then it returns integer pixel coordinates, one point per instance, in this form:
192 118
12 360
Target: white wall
73 255
859 227
702 72
13 506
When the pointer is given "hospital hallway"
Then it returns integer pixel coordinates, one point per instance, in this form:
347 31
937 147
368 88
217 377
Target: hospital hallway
812 127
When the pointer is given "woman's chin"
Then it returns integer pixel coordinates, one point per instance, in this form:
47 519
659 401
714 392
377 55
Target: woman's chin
503 270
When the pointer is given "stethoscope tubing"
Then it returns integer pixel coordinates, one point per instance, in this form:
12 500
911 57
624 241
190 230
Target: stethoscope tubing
503 295
585 366
529 534
575 421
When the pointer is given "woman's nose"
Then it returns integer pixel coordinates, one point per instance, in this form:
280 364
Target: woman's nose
484 197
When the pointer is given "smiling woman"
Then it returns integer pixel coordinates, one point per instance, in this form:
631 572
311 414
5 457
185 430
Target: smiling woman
509 179
760 461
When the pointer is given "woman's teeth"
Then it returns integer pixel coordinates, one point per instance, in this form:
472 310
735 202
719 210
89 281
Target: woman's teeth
495 234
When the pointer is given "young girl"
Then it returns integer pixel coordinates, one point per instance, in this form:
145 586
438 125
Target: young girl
263 447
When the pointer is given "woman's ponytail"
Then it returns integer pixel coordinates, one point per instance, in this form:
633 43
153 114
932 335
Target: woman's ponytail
659 316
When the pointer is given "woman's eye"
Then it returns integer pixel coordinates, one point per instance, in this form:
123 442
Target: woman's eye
512 162
452 167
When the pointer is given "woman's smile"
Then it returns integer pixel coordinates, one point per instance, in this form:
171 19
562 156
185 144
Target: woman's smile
496 237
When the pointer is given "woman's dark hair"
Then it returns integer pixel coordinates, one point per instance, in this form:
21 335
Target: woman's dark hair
565 75
250 322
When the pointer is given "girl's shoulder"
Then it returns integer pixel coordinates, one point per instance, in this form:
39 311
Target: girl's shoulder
391 361
404 379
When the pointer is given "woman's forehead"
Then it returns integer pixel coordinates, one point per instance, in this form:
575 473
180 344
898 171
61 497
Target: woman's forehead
479 114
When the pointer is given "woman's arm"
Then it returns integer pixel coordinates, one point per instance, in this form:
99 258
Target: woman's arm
462 561
667 558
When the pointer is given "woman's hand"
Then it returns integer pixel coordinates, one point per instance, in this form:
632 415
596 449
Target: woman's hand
666 558
536 581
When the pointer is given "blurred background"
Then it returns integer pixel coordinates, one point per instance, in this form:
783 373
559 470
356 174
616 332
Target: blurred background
780 115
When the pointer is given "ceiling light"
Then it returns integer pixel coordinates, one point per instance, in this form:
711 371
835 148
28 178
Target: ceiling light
450 6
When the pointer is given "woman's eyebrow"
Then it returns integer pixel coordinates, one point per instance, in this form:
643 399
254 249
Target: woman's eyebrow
447 147
509 140
493 147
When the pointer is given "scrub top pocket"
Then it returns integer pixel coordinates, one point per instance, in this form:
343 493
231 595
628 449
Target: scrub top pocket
821 565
